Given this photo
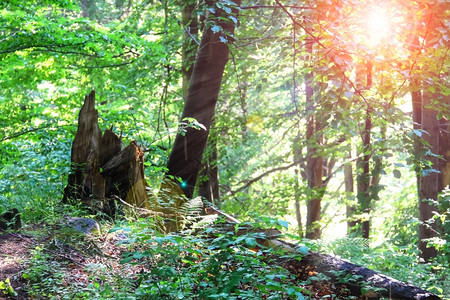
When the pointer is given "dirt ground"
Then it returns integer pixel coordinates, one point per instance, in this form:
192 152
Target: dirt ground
14 251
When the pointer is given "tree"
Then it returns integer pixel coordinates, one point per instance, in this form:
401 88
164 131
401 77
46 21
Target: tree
190 25
430 120
187 151
314 160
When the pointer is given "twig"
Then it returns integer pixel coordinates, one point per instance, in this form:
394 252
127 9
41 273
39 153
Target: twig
144 211
251 181
28 131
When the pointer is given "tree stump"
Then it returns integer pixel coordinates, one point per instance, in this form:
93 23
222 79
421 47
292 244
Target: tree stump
101 170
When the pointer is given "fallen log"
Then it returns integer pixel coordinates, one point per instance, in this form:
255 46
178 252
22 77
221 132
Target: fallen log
360 281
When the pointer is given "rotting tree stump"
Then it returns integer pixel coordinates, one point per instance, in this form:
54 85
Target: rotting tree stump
101 170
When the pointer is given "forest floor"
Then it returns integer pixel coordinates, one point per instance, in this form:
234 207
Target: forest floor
19 250
48 251
54 262
14 252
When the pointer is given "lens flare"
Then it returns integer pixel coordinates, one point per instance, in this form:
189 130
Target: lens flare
184 184
378 25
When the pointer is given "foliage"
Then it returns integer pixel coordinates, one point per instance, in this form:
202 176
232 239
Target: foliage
442 217
6 288
52 53
208 265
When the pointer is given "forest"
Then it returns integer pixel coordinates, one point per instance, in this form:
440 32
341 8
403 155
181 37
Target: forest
224 149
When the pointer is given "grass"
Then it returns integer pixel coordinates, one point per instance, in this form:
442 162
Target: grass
138 262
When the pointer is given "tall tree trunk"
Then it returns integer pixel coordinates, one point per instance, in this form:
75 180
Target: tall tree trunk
444 149
185 158
363 178
208 186
363 163
429 179
189 21
435 176
208 183
314 162
297 149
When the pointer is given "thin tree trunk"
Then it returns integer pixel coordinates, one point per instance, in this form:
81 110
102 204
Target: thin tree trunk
364 174
429 180
364 178
314 162
297 191
349 190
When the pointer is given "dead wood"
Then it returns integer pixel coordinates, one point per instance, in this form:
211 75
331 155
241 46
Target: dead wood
100 169
359 280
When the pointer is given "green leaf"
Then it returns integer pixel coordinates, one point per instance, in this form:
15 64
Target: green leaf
126 259
303 250
418 132
250 241
397 173
164 272
216 28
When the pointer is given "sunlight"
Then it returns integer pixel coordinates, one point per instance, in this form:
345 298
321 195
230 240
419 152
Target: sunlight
378 25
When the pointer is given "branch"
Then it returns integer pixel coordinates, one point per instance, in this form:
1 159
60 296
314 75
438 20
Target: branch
316 39
50 48
47 48
107 66
273 6
143 212
25 132
251 181
189 33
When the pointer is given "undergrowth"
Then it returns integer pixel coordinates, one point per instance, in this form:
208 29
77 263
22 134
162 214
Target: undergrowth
206 264
201 265
398 261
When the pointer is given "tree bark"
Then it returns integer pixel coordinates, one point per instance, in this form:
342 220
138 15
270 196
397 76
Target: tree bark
189 21
364 178
432 178
376 285
100 170
429 179
314 162
349 190
297 149
208 186
185 158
